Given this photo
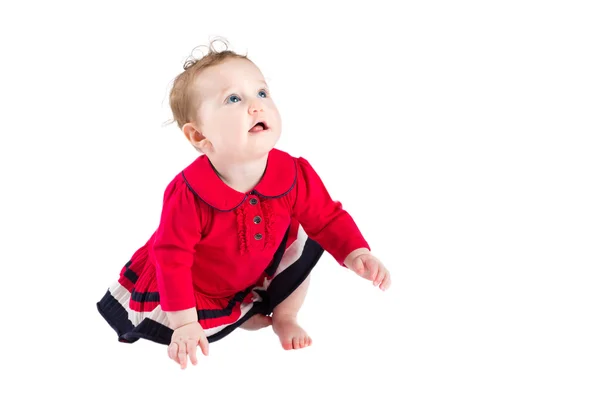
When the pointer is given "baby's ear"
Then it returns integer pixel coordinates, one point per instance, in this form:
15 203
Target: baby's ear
192 134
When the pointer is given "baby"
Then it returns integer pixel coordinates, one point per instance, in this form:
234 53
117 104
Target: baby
241 227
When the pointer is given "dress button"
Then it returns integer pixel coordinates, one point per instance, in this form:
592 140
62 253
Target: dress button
253 201
257 220
258 236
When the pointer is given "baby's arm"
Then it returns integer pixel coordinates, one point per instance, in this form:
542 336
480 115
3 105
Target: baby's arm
325 221
174 246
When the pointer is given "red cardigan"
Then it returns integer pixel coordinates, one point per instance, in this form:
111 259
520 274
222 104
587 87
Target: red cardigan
218 241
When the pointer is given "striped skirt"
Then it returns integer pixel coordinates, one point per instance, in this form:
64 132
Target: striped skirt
133 318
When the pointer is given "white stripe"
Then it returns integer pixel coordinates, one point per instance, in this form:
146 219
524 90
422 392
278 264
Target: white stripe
290 256
123 296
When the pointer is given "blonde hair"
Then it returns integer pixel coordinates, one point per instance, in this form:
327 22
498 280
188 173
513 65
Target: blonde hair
181 98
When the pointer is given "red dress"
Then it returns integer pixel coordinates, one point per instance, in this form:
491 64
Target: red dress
226 253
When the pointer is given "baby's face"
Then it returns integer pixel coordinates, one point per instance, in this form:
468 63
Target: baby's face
232 98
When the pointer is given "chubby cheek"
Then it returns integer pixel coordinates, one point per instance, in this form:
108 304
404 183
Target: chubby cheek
234 121
274 119
225 130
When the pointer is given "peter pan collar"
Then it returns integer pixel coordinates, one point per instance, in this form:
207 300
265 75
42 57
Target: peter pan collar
202 179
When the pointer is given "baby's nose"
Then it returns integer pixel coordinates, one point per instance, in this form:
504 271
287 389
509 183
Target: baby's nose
255 107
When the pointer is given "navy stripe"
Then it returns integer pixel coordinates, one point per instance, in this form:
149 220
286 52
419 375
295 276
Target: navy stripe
130 275
286 282
116 316
145 296
150 330
204 314
281 287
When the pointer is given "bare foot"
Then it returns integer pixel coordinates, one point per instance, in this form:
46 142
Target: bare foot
257 322
290 334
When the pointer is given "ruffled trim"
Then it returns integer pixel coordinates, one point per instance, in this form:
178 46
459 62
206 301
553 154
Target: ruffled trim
241 228
269 218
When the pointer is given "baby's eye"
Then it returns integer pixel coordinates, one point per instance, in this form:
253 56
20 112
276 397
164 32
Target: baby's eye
233 99
262 93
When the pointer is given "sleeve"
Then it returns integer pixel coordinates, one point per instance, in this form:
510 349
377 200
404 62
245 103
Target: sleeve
174 242
324 219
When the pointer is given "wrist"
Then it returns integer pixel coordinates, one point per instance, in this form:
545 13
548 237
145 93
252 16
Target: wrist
182 317
354 254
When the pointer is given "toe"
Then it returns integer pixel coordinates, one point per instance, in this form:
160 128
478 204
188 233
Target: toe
287 345
296 343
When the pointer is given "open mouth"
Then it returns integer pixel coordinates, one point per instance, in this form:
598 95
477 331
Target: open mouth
258 127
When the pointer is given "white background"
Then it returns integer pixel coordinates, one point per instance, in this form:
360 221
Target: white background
462 136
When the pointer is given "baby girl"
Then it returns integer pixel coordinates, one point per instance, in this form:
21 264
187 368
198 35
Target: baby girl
241 227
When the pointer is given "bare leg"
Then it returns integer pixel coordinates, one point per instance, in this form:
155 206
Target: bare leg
285 326
256 322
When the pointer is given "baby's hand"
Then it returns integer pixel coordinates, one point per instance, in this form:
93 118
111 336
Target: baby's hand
369 267
184 341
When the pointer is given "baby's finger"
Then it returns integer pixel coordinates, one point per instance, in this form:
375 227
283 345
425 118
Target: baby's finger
359 267
172 351
203 345
380 276
191 349
182 355
387 282
372 269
